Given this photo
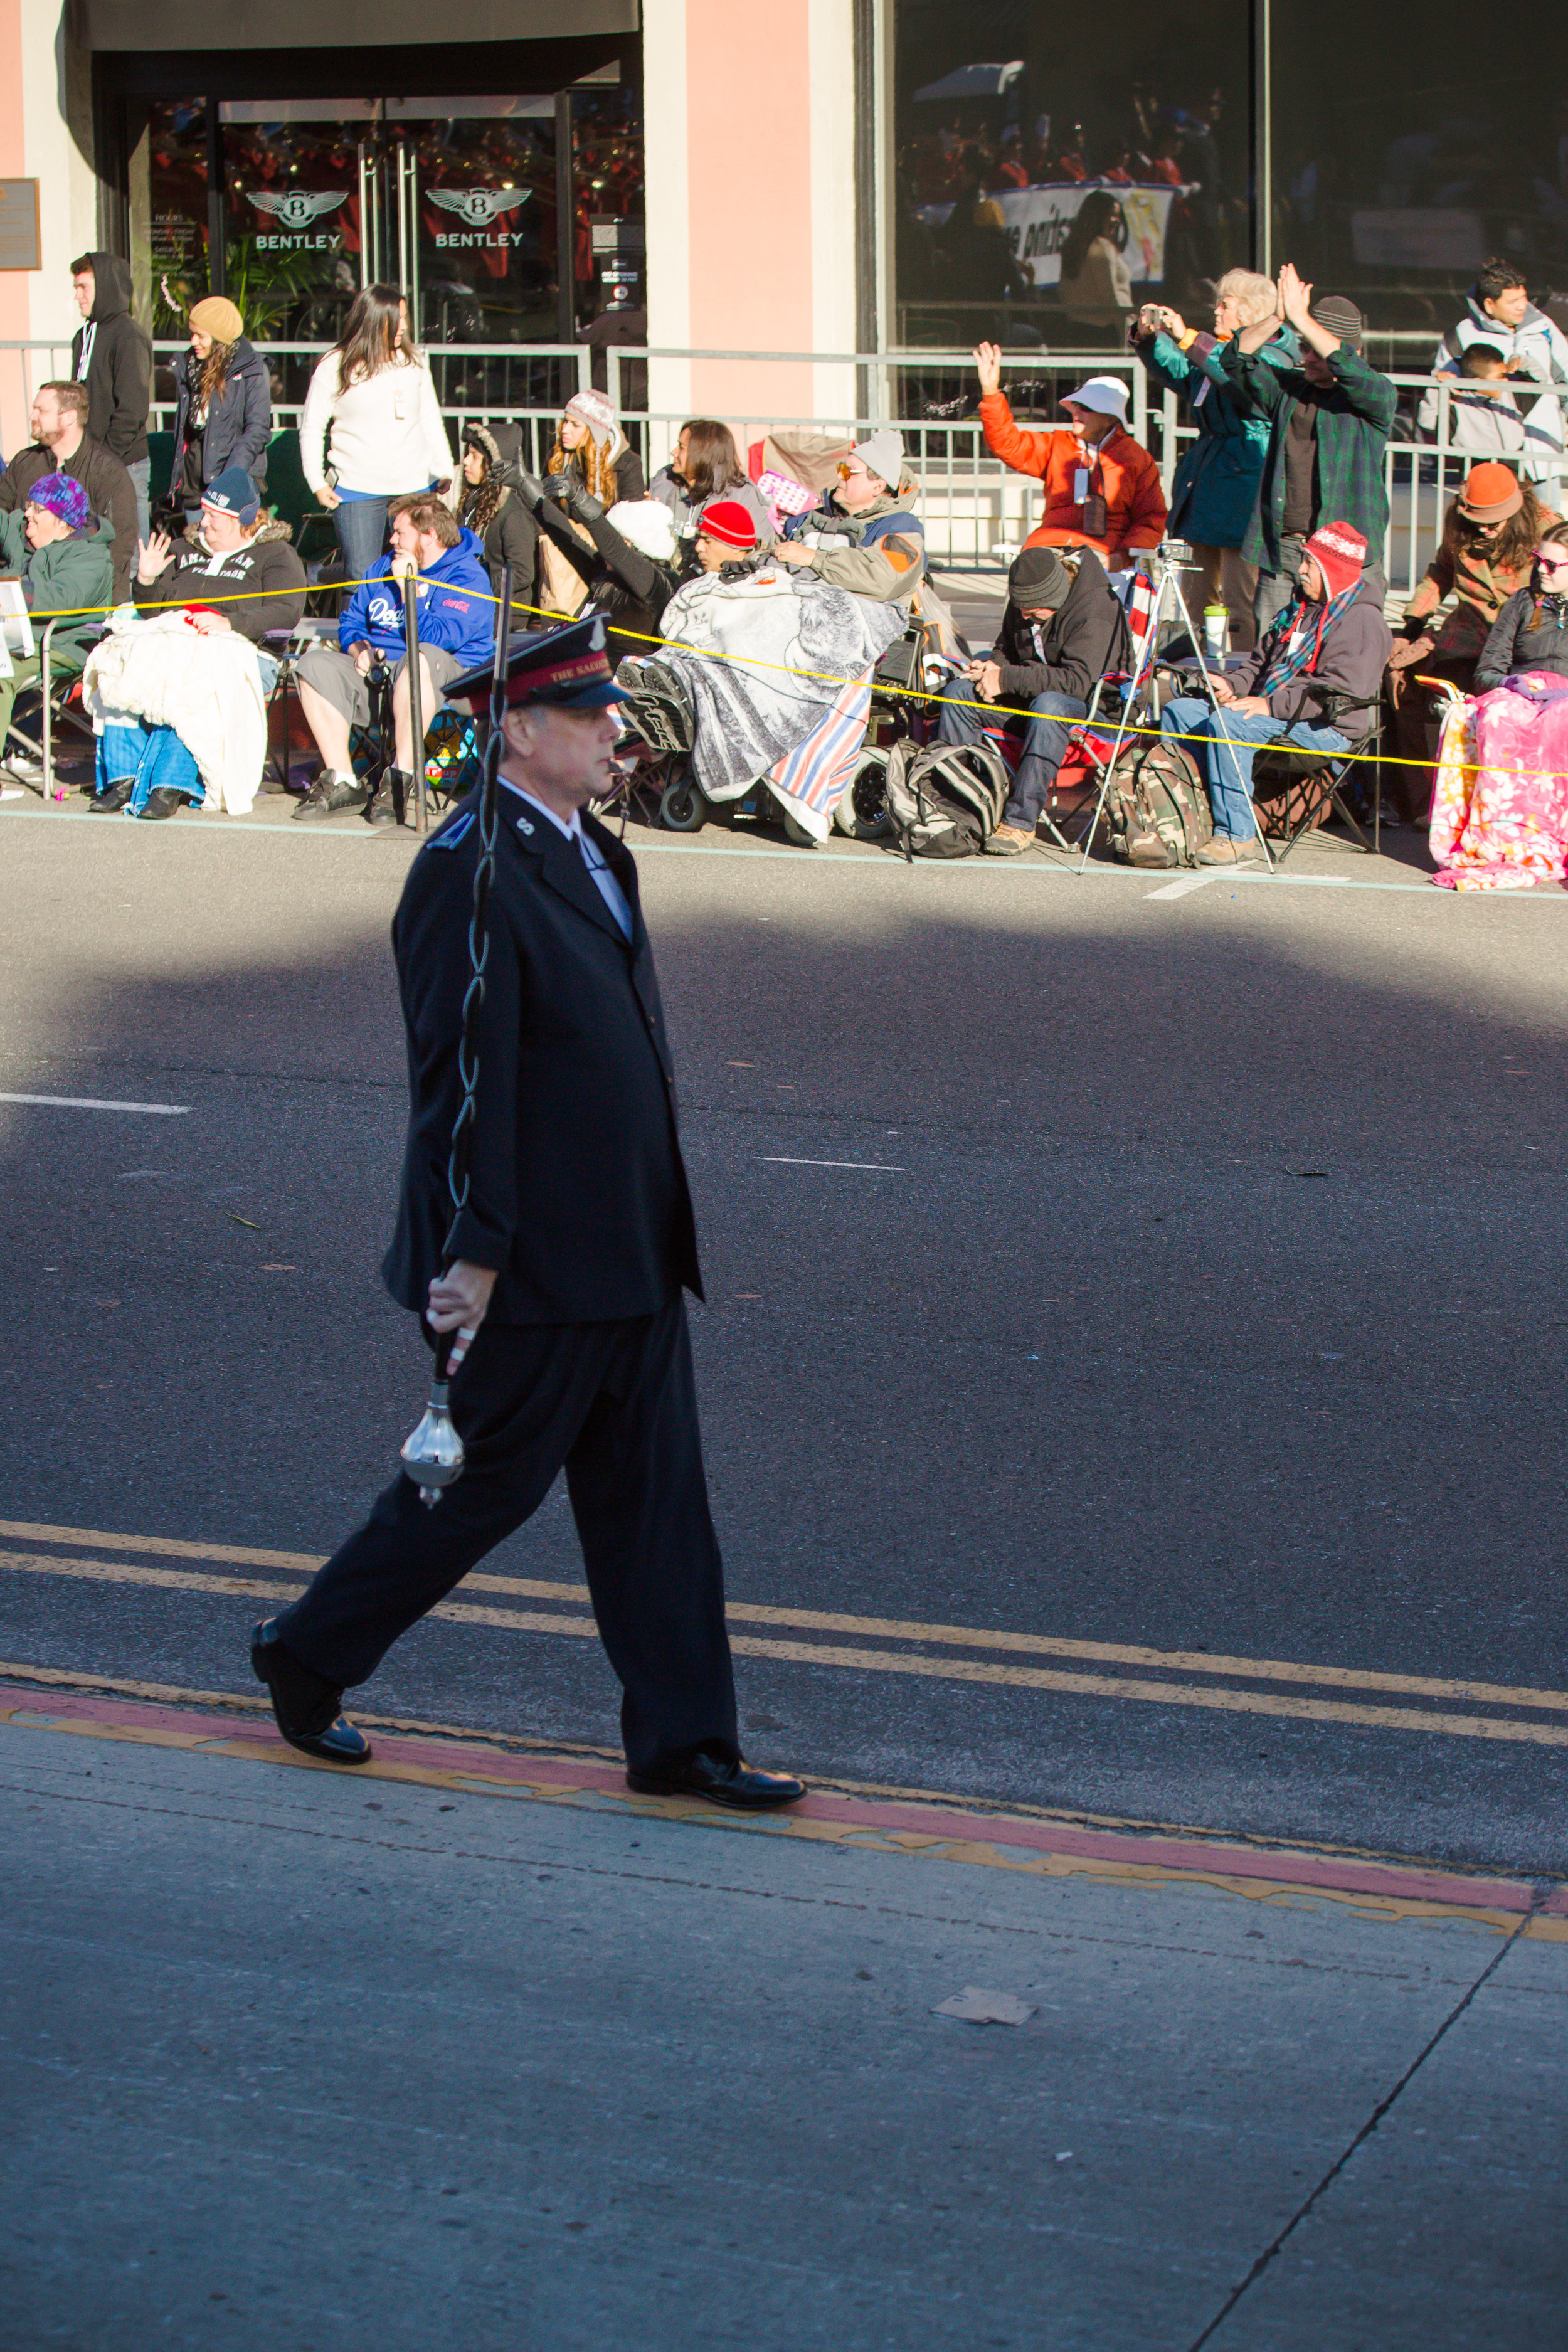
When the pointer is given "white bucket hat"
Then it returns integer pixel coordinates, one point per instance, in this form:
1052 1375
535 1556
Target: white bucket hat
1105 395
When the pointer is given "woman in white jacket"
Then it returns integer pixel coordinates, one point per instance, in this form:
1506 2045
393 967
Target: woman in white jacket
370 429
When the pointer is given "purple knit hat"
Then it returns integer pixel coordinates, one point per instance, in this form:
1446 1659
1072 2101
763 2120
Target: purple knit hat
58 495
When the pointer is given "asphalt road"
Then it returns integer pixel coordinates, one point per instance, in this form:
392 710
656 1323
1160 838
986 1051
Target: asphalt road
1160 1295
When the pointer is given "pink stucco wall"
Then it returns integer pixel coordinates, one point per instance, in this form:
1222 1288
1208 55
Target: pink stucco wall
748 134
14 319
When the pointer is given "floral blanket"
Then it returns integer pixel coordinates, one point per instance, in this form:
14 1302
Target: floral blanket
1499 818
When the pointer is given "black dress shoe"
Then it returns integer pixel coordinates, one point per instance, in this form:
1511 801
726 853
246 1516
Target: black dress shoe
113 797
162 801
304 1704
720 1781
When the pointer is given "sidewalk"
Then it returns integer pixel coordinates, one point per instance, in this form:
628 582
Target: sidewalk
475 2049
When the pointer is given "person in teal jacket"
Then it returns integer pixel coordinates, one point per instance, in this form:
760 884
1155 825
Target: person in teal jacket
63 555
1215 493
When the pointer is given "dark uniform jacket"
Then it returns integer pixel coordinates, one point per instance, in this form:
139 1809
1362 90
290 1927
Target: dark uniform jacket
578 1195
1086 637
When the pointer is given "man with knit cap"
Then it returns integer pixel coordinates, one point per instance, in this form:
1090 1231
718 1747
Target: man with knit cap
62 444
1064 627
865 536
1331 640
1329 426
114 357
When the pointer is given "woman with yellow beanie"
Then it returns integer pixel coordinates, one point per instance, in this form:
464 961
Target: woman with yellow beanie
224 413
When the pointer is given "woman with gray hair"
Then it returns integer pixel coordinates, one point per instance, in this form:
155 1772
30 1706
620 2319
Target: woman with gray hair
1215 487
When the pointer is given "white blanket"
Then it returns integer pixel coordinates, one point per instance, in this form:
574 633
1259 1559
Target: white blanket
207 689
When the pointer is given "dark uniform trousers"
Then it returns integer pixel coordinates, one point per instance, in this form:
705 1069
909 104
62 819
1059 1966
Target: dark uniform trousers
616 1404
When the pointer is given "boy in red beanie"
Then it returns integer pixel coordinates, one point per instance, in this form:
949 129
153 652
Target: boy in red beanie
1331 638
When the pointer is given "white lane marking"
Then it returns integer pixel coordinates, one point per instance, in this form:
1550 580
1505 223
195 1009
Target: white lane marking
1188 882
87 1102
877 1167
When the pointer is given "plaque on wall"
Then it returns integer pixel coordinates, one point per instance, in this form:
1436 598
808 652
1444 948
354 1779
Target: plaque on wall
19 224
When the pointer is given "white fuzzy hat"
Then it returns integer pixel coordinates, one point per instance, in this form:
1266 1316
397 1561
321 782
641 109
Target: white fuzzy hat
649 526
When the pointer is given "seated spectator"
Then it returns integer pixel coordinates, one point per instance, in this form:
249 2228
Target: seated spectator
224 414
864 535
456 627
234 573
1095 287
1483 414
1101 487
63 555
787 700
1063 629
591 456
1499 312
1486 555
1216 485
62 444
491 504
705 463
1332 635
1328 429
1500 818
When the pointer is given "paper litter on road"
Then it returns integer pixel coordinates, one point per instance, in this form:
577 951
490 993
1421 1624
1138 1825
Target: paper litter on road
977 2006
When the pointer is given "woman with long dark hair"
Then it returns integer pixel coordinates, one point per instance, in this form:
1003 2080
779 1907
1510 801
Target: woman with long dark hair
491 505
1096 288
704 464
225 412
370 429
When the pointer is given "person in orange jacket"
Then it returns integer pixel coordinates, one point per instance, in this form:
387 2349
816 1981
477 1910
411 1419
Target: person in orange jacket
1101 487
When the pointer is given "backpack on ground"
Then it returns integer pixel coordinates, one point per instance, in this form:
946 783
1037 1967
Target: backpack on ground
944 800
1156 805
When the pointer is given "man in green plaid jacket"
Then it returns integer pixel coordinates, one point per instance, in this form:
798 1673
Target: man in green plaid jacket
1329 427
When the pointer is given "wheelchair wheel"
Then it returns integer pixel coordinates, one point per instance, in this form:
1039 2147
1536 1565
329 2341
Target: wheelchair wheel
862 810
796 832
684 807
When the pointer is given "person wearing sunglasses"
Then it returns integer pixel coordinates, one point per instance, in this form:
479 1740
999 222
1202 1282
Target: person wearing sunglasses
865 536
1499 821
1530 633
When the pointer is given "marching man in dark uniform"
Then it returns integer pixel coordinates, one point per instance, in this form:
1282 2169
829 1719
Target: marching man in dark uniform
567 1262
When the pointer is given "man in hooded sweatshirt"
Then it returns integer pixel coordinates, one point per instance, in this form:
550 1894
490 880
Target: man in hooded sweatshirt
1499 313
114 357
62 444
1331 638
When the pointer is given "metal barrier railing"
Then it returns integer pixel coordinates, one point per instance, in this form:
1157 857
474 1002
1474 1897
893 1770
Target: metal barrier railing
975 512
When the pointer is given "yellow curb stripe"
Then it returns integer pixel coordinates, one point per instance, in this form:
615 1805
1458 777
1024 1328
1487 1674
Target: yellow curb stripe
812 1653
900 1846
971 1637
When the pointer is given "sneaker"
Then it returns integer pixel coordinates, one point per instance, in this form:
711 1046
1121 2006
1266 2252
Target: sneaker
1007 841
23 770
330 793
391 799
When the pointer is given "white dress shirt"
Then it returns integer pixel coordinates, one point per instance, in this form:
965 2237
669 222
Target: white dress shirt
592 857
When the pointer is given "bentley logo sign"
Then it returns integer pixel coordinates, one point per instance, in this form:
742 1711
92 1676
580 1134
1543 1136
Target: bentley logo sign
297 210
477 208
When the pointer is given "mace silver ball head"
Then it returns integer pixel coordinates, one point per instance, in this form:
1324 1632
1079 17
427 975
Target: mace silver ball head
433 1455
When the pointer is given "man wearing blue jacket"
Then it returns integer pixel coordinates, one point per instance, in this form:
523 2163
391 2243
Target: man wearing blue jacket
457 626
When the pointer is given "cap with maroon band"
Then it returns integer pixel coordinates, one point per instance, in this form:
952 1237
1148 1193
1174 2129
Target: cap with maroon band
565 670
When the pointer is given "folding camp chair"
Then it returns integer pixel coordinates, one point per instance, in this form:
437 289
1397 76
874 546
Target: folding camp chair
1321 777
60 708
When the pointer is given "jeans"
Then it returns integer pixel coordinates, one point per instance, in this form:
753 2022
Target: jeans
154 756
141 475
1045 737
360 526
1226 766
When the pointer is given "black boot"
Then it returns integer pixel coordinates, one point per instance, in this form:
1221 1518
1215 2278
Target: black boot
162 801
304 1704
113 796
